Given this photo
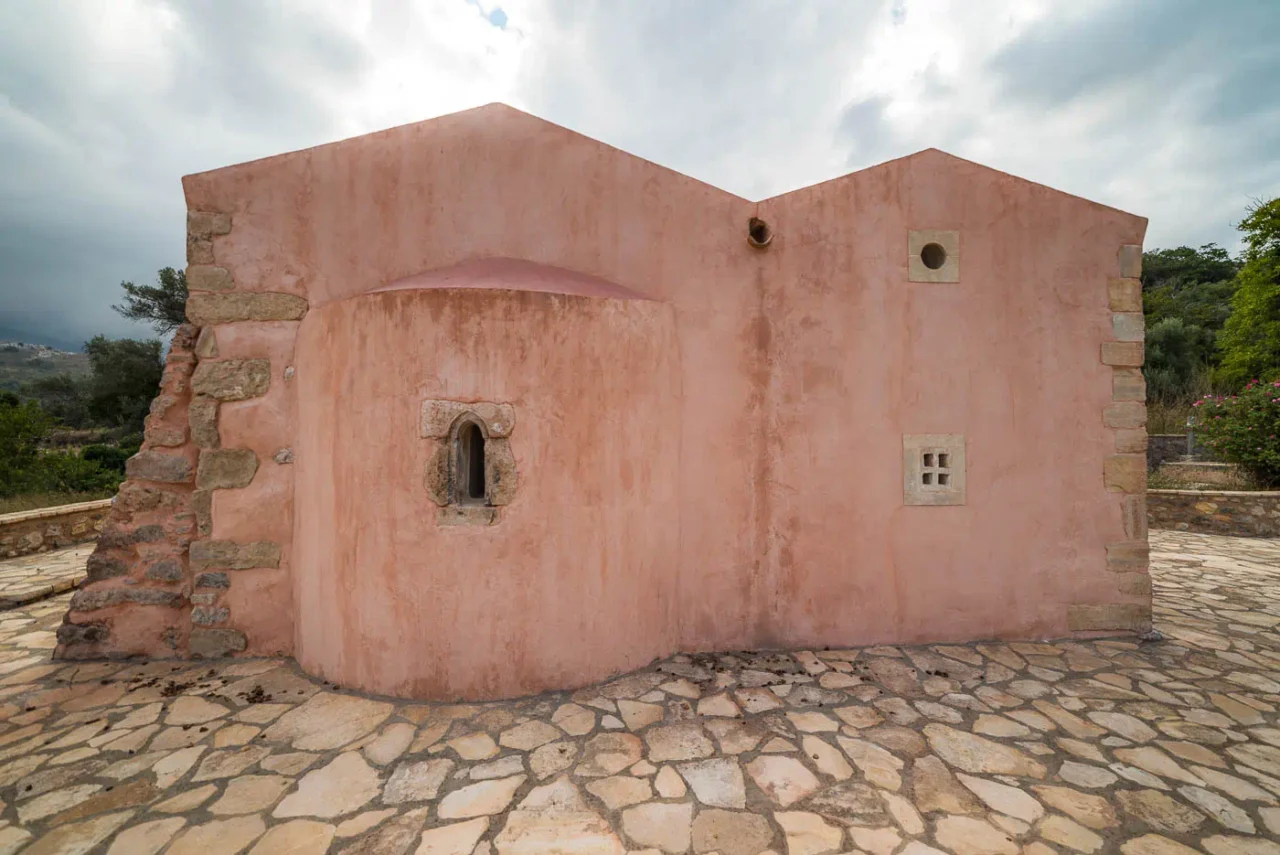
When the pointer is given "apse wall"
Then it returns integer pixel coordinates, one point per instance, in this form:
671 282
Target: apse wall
574 581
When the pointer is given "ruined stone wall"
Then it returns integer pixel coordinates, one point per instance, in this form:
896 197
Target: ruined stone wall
28 532
159 583
1244 514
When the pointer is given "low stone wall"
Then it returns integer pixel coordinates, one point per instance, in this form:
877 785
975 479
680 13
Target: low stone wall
1216 512
1165 447
51 528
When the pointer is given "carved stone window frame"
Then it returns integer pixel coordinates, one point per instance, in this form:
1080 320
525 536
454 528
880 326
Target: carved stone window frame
444 423
925 458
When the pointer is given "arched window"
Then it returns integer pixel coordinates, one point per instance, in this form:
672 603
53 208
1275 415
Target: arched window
469 475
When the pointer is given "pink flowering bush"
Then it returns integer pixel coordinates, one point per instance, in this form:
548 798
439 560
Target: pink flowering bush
1245 429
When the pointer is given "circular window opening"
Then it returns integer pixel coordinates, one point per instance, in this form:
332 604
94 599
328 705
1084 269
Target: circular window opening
933 256
758 233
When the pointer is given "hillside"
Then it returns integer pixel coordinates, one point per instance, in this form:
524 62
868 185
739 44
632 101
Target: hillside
22 363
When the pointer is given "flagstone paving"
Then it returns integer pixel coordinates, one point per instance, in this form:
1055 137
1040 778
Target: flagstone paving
34 577
1153 748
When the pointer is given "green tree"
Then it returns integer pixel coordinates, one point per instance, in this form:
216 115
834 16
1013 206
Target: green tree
1176 359
63 397
164 306
126 376
21 427
1250 341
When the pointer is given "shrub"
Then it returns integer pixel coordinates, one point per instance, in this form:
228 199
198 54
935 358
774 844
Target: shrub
108 457
1245 429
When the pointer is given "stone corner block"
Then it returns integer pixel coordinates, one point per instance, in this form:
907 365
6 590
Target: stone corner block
206 224
1128 556
1125 473
229 555
202 419
232 379
82 633
158 466
1128 384
1124 295
215 643
1128 326
1134 617
207 344
207 277
1131 415
226 468
1131 261
1131 441
1123 354
205 308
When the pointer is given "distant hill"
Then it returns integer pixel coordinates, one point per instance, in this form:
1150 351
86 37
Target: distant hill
21 363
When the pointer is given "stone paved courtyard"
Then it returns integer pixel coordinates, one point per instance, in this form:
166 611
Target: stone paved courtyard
34 577
1106 746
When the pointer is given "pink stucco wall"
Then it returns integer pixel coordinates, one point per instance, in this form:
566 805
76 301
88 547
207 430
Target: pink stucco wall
708 435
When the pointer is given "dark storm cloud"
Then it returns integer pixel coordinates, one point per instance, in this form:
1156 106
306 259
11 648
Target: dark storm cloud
95 136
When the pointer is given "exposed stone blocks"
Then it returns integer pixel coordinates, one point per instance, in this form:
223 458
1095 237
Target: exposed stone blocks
1125 473
208 308
202 227
227 555
1131 440
1125 415
1128 384
1239 513
232 379
214 643
162 467
1131 261
1126 354
1125 295
1128 556
1128 326
202 415
227 468
1134 617
207 277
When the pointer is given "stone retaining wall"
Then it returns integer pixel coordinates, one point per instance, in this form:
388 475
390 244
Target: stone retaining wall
1217 512
51 528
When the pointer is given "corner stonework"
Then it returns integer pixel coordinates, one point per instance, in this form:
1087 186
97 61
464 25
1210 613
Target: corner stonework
157 585
1124 472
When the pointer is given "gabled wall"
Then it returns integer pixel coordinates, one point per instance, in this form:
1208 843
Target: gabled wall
733 415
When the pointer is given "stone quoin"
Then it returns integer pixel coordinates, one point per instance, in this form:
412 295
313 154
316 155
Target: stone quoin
480 407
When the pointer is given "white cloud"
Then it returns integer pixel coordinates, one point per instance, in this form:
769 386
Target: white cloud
1168 109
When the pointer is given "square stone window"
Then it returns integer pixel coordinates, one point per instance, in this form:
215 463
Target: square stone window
472 471
933 469
933 255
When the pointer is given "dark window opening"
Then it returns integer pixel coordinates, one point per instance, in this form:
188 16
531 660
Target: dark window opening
471 463
933 256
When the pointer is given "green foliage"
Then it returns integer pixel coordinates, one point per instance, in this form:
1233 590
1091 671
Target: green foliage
1245 429
1193 286
126 376
164 306
25 469
21 427
1177 359
64 397
1250 341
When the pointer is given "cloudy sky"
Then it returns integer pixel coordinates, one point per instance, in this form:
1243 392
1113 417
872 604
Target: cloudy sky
1167 108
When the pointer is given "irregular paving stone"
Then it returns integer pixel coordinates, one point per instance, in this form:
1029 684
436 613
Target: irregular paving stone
457 838
807 833
716 783
394 740
666 826
327 721
474 746
1083 775
552 758
298 837
966 835
609 753
80 837
1089 810
574 720
1072 835
676 742
1159 811
1154 844
483 799
395 837
1227 814
937 790
233 761
416 781
879 766
903 812
220 837
1004 798
360 823
620 791
977 755
346 784
730 832
785 780
528 736
551 816
250 794
826 758
147 838
1228 845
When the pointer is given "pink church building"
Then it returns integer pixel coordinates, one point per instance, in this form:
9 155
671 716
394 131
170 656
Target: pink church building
480 407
